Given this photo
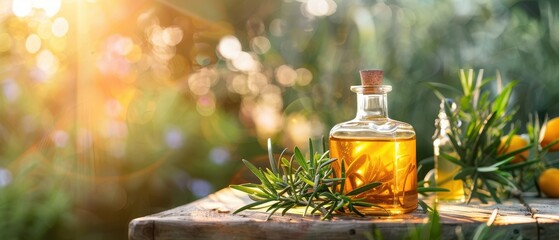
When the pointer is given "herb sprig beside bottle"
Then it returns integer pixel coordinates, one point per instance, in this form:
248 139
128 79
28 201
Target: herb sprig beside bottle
300 182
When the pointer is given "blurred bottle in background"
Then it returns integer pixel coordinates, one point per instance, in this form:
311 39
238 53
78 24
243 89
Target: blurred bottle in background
445 170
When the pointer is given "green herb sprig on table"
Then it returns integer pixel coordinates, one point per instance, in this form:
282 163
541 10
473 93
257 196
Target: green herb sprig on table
300 182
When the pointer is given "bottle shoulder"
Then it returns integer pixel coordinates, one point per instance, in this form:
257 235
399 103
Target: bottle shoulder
374 128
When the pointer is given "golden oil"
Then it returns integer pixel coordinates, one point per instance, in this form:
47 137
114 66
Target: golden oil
375 148
388 161
445 170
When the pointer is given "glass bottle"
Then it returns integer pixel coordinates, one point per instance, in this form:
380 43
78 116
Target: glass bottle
375 148
445 169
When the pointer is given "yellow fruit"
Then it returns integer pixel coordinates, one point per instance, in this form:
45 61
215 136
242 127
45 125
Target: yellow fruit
551 134
548 182
516 143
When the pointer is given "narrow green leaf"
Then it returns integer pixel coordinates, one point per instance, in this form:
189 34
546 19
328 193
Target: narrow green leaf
483 130
464 172
492 191
301 159
332 180
253 205
342 184
424 206
464 82
364 188
487 169
431 189
312 160
268 184
327 163
551 144
249 190
505 161
254 170
353 209
287 209
306 180
501 101
363 204
328 195
513 153
452 159
320 207
473 190
519 165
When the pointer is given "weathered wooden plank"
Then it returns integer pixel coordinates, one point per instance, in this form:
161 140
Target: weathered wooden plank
211 218
547 217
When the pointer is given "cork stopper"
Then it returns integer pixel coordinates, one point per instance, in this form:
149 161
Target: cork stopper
371 77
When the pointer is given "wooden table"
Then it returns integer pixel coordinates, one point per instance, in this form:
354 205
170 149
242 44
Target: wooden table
211 218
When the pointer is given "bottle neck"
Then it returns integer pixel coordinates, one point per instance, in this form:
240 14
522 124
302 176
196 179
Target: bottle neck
444 126
371 106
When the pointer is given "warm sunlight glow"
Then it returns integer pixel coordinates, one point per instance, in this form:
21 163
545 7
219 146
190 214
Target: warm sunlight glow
304 76
260 44
171 36
59 27
11 90
320 8
286 76
299 129
22 8
5 42
47 62
51 7
60 138
244 61
229 47
33 43
206 104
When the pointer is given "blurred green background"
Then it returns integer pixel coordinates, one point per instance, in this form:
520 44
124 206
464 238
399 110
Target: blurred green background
116 109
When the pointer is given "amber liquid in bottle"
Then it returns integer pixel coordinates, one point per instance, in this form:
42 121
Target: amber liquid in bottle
375 148
389 161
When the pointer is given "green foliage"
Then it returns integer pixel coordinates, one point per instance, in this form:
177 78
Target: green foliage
429 230
311 183
29 209
432 229
475 132
413 41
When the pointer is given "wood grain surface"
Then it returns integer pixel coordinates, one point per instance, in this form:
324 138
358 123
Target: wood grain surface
212 218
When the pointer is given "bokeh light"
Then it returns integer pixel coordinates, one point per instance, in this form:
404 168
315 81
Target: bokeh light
286 76
127 109
59 27
60 138
22 8
174 138
320 8
260 44
229 47
11 90
47 62
33 43
304 76
171 36
5 177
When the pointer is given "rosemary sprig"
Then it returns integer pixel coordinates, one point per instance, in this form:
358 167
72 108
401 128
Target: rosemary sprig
300 182
476 131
